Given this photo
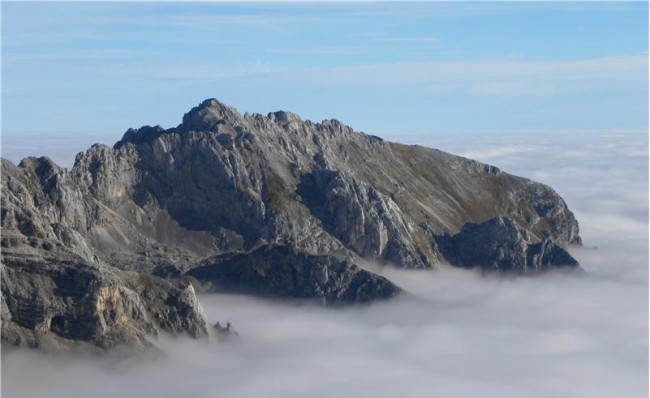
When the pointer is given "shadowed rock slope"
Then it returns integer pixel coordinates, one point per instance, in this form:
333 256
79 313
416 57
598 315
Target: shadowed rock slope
272 205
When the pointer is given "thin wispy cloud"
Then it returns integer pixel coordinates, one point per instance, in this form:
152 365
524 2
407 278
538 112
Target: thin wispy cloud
193 71
18 58
428 65
415 39
322 51
479 77
499 77
263 22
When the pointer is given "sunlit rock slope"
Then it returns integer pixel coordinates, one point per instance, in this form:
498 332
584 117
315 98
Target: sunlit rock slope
108 252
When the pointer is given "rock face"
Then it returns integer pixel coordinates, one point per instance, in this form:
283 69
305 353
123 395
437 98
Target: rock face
498 245
54 299
272 205
284 271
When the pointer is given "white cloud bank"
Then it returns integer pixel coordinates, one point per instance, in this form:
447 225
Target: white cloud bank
468 336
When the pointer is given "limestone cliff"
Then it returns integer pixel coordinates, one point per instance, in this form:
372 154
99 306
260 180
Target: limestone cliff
269 205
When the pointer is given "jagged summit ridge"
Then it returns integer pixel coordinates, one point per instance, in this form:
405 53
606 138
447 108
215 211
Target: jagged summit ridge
269 205
211 113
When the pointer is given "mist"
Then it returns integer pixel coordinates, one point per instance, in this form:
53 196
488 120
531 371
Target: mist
61 147
458 334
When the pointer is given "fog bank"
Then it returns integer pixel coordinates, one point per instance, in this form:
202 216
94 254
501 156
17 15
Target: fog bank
464 335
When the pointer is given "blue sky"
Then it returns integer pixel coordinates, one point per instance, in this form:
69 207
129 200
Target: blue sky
384 68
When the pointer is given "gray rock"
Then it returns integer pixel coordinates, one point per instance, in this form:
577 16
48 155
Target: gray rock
499 245
286 272
226 333
270 205
60 301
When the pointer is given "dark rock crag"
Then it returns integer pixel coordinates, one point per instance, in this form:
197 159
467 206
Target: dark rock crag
225 334
285 272
106 253
498 245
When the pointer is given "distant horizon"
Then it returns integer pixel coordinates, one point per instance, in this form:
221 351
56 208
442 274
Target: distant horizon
63 145
382 68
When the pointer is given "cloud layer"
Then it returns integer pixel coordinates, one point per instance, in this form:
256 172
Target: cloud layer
463 335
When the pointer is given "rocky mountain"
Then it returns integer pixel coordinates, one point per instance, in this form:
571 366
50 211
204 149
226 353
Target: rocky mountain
110 251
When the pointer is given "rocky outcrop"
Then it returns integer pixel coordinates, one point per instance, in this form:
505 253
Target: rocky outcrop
54 299
226 333
364 219
270 205
498 245
286 272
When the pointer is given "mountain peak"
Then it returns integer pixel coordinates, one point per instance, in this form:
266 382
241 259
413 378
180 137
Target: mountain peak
271 206
207 115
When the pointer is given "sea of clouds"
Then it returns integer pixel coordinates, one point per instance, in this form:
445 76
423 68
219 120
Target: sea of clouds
464 335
